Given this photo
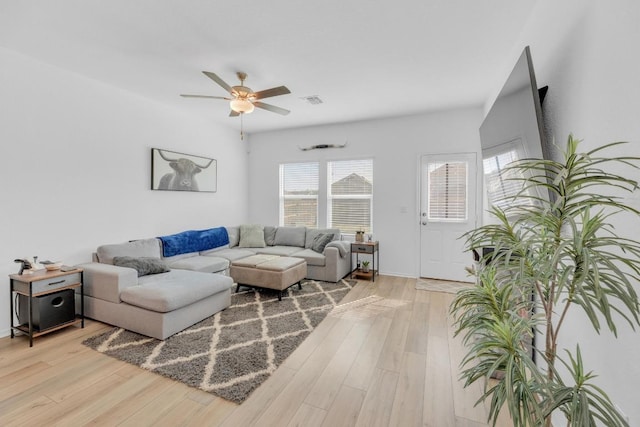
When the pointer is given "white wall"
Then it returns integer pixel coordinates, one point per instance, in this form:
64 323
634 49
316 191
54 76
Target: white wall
586 52
76 167
395 145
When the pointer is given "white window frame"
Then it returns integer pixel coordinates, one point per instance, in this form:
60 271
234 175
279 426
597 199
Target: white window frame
516 147
283 197
331 197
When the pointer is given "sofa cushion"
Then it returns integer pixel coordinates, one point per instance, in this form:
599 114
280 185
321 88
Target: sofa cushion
234 236
174 258
279 250
312 257
251 236
205 264
270 235
320 241
313 232
170 291
233 254
214 250
290 236
137 248
143 265
194 241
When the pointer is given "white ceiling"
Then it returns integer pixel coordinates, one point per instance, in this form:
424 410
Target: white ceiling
364 58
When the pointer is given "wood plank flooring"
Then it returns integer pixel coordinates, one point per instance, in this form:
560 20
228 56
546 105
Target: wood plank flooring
387 359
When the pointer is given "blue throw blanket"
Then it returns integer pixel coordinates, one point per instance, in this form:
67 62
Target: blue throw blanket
194 241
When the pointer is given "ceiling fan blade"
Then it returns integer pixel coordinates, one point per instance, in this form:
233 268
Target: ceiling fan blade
234 114
274 91
218 80
271 108
204 96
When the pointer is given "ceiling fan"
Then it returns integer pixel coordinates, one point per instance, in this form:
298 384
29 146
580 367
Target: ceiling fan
243 100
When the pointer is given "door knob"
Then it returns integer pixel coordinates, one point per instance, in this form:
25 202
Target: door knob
424 214
424 222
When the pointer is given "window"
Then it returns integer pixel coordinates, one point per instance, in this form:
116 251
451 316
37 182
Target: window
350 195
299 194
447 191
502 186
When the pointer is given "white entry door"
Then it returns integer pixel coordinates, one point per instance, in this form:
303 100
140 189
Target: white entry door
448 210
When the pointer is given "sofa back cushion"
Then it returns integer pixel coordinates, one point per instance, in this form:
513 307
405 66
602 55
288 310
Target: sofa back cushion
313 232
252 236
270 235
137 249
234 236
290 236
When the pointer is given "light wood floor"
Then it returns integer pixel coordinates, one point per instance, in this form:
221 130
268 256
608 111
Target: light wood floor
386 359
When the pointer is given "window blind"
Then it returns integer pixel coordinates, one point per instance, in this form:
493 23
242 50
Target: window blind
447 195
299 194
501 187
350 195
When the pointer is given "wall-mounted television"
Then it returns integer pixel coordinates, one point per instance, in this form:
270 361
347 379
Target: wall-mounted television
512 130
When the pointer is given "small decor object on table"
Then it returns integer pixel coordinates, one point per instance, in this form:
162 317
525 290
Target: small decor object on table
25 266
52 265
365 266
359 236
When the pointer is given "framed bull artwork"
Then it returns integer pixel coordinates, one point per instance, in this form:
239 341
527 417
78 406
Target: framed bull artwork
182 172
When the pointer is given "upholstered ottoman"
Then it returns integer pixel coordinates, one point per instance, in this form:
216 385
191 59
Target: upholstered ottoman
269 271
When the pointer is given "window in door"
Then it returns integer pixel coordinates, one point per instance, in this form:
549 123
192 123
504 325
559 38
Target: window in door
447 199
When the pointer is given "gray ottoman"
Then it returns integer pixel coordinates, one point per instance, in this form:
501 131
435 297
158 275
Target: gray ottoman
269 271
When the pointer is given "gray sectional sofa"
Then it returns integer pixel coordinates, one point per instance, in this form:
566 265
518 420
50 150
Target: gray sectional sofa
330 264
160 286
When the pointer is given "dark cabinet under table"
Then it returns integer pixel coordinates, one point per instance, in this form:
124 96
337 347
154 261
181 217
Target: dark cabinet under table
46 301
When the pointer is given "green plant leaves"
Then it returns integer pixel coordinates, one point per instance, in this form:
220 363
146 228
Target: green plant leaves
550 254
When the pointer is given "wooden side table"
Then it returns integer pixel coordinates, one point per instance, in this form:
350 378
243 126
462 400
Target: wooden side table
47 292
370 248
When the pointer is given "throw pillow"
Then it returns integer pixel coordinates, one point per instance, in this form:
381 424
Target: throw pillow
313 232
144 265
320 241
252 236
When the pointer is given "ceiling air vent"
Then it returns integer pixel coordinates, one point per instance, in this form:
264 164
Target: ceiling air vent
313 99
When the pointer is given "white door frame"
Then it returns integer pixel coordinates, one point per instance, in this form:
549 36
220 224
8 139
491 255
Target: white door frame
474 207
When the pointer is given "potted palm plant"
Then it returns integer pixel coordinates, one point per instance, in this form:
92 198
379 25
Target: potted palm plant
551 255
365 266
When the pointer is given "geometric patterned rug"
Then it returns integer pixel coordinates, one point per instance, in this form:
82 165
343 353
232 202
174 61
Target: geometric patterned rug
232 352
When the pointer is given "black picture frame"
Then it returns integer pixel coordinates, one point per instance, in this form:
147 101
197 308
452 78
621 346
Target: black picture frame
173 171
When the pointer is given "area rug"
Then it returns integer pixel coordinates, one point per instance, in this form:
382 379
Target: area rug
232 352
434 285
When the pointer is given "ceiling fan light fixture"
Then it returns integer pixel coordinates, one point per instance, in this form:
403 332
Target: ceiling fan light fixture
241 106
